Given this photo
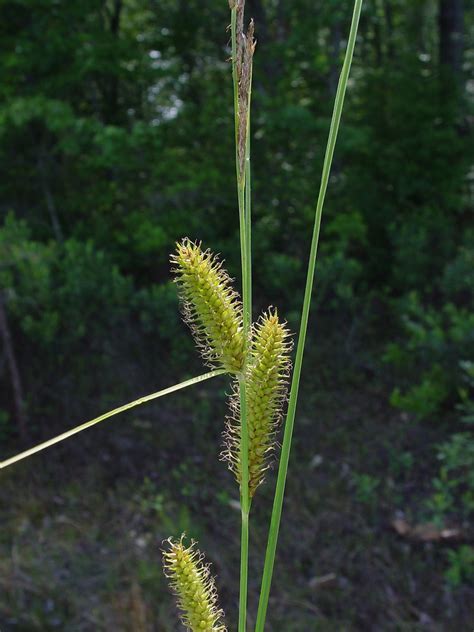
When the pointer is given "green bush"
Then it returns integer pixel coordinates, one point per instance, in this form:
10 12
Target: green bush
430 356
461 565
80 322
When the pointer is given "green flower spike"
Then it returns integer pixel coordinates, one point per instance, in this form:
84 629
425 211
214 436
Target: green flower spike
194 587
266 386
211 307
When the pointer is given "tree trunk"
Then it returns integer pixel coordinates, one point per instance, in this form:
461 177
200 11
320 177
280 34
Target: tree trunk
18 400
451 22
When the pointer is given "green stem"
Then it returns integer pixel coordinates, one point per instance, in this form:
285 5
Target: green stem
245 506
110 413
243 196
290 418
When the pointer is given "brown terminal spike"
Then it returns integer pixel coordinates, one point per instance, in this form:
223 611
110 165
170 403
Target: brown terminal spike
266 386
245 48
244 69
210 305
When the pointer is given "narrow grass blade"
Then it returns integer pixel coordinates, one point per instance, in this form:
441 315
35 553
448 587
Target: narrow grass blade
110 413
285 451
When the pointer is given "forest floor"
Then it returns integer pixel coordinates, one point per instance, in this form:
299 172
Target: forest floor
83 522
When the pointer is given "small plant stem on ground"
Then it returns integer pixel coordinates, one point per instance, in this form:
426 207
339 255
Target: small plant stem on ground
285 451
110 413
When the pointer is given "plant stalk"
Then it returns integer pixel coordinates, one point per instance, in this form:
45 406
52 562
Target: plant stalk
290 418
243 197
245 507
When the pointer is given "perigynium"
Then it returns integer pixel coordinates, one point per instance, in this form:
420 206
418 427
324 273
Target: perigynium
194 587
210 305
266 386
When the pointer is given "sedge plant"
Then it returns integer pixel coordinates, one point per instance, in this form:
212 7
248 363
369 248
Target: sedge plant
255 355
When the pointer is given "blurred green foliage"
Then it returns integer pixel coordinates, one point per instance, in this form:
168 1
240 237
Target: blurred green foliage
116 139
